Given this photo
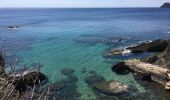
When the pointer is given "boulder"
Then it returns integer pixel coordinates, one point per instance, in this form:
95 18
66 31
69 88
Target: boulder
66 89
111 88
121 68
92 79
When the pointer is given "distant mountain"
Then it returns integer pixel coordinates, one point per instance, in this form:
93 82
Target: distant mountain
166 5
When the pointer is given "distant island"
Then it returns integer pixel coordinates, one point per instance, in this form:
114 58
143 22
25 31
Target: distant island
166 5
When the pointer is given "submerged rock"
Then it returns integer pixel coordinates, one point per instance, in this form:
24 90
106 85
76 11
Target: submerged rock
67 71
83 70
66 89
93 72
97 38
69 81
112 40
111 88
92 79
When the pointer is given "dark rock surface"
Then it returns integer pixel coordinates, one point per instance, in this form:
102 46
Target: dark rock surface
146 47
92 79
120 68
66 89
2 66
155 46
162 59
29 79
166 5
111 88
33 78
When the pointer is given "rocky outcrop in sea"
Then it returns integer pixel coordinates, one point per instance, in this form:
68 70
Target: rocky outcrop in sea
166 5
154 69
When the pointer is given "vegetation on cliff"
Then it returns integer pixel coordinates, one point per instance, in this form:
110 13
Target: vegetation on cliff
13 87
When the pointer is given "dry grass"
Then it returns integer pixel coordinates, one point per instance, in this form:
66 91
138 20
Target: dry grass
9 85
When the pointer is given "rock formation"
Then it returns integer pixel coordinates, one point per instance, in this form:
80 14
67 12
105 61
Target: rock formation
155 68
92 79
154 46
162 58
166 5
157 73
13 27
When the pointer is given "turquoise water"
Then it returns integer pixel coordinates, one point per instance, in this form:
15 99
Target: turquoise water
47 36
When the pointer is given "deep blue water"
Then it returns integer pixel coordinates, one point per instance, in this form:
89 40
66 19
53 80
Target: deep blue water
59 38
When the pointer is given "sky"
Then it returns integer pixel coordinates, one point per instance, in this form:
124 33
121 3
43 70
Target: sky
81 3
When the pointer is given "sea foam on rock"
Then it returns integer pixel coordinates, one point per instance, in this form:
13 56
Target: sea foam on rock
154 46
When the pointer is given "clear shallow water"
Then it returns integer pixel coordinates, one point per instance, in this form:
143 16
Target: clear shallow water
47 36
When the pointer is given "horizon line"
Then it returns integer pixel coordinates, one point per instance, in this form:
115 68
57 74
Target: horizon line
68 7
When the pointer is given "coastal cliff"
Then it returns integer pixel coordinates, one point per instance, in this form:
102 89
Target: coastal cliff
166 5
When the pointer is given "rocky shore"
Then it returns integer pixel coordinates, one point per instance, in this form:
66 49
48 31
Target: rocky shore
148 46
153 69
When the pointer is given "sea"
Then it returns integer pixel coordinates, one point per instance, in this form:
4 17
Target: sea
72 38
